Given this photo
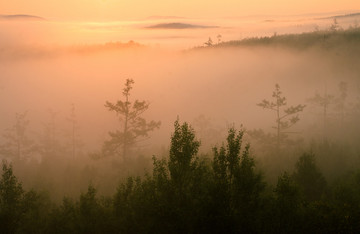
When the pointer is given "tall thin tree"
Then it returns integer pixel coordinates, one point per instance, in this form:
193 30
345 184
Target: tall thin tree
286 117
134 126
323 101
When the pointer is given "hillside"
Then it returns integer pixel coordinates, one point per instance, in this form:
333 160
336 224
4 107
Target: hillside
20 17
328 39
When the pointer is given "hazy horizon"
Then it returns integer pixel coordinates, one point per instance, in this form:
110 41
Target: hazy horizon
179 116
168 32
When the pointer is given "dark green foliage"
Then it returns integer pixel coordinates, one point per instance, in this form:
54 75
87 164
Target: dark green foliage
90 212
346 203
20 211
287 193
187 173
36 208
65 217
188 194
183 149
88 215
237 187
309 178
11 194
126 206
287 205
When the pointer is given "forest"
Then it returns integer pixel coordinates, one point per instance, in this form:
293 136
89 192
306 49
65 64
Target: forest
186 193
262 153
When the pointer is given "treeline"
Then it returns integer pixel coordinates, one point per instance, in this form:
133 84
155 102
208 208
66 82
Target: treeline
333 38
186 193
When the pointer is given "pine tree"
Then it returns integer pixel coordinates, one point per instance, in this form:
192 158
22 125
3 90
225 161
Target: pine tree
286 117
134 126
323 101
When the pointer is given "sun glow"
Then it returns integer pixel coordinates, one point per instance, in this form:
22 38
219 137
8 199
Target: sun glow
100 10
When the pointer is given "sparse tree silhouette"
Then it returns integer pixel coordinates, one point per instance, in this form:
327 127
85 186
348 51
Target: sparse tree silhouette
286 117
134 127
209 42
323 101
206 131
75 142
335 26
262 139
219 37
18 145
50 145
356 24
341 100
202 123
355 106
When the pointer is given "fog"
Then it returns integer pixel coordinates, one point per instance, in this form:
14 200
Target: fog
169 32
223 84
48 67
169 124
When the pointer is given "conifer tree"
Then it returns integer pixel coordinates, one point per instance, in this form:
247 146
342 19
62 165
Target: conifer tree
286 117
134 126
323 101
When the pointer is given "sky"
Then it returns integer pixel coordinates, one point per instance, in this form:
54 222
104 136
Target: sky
104 10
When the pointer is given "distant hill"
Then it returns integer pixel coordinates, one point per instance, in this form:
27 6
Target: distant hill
343 16
178 26
327 39
20 17
38 52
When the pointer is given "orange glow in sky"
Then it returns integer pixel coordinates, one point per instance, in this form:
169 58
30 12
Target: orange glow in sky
136 9
100 21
